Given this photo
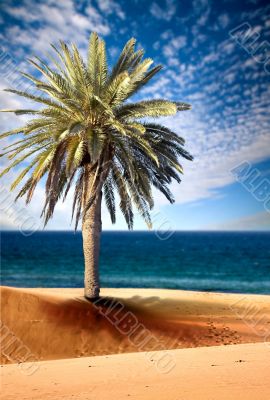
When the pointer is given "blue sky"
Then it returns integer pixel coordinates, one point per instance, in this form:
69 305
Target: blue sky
204 65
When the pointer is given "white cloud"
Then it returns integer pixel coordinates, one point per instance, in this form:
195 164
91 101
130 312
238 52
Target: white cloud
202 10
229 122
255 222
111 7
50 21
164 13
175 44
223 20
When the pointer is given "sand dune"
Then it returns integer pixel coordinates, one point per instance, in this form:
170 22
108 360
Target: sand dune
49 324
239 372
60 326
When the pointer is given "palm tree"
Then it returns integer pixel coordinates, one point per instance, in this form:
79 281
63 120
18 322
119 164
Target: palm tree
87 137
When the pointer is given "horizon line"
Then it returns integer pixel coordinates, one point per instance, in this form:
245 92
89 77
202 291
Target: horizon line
145 230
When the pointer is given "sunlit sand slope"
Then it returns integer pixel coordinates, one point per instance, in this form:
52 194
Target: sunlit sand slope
238 372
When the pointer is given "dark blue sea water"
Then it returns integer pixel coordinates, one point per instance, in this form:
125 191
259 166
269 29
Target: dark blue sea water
226 262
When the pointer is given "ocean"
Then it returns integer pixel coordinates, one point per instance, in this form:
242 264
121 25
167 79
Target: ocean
205 261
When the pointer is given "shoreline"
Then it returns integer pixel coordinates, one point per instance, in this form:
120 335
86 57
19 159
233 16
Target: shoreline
122 289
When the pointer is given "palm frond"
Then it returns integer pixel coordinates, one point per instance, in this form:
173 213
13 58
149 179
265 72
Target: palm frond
83 133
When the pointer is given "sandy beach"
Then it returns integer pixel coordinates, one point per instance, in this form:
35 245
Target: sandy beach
188 345
224 373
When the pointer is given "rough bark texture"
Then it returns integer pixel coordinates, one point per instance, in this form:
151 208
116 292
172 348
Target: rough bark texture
91 231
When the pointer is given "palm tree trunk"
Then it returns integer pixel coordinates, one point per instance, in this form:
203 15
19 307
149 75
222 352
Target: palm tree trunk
91 231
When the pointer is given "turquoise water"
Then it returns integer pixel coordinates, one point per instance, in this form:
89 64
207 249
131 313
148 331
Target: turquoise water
226 262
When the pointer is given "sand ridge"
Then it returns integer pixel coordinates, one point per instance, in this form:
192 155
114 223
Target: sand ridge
60 323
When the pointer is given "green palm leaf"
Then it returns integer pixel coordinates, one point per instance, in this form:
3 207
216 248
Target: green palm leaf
84 132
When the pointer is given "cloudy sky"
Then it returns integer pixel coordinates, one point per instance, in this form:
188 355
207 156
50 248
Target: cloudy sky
206 62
